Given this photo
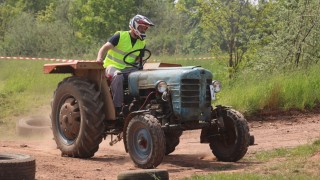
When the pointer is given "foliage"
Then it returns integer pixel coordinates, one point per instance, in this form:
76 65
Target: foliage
7 13
194 38
40 38
266 35
161 40
31 6
99 19
233 26
294 36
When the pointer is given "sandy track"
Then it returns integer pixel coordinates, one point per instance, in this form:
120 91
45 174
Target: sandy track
190 156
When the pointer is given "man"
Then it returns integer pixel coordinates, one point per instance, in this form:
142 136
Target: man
121 43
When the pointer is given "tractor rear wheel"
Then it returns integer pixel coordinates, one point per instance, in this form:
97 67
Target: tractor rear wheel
145 141
77 117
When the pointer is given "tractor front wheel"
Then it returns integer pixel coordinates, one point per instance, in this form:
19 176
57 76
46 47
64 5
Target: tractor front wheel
145 141
233 140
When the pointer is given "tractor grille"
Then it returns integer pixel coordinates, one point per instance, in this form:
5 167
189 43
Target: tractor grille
191 93
208 94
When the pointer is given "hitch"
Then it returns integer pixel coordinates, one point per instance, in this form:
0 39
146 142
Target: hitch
117 139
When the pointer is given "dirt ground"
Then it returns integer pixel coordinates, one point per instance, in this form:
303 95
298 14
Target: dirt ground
190 156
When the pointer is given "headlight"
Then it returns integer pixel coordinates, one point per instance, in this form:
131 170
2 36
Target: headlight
216 86
161 86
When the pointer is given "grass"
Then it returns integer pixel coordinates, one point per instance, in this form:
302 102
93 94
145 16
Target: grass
301 162
250 93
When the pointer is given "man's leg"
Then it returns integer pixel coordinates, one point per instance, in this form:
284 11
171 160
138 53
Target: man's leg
116 86
117 90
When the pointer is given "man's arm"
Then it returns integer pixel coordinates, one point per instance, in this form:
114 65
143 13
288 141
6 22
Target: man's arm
113 41
103 51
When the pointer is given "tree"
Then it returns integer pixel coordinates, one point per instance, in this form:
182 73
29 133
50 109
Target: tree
232 25
7 13
30 6
194 39
96 20
297 33
10 9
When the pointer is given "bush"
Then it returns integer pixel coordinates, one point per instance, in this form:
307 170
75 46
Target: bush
29 37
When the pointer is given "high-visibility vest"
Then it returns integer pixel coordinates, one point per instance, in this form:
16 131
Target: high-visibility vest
115 55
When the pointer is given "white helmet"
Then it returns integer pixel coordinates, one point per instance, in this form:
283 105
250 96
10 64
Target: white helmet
139 20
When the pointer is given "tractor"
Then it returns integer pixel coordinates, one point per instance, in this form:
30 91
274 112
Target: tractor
161 100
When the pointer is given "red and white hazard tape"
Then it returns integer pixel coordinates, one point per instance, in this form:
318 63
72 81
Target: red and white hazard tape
204 58
41 59
72 60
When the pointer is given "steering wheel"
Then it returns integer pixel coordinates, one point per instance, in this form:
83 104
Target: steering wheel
142 59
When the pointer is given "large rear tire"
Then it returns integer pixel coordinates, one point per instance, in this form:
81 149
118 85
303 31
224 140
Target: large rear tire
145 141
77 117
232 144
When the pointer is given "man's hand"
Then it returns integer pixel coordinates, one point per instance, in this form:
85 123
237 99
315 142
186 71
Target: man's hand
99 61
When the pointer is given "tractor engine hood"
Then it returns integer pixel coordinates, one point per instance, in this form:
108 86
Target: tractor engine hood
173 76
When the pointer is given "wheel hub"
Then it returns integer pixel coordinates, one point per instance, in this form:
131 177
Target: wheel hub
69 119
142 143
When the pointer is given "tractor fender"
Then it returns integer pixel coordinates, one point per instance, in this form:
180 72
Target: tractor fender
216 111
126 122
109 109
92 71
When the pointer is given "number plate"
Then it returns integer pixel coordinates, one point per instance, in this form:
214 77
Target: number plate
213 96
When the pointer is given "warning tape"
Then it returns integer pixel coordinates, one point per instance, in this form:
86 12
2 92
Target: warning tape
204 58
72 60
41 59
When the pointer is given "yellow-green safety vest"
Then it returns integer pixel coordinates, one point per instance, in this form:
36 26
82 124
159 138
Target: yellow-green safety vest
115 55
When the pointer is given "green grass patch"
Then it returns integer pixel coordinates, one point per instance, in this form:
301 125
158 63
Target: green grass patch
250 92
